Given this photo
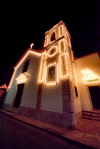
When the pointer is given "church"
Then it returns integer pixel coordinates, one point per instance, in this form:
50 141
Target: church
52 85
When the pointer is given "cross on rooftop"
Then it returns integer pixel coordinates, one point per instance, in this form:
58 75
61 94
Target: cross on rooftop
31 45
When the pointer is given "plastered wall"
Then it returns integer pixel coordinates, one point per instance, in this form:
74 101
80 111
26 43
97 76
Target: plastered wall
90 62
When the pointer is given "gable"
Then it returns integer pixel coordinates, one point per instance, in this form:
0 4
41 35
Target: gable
25 56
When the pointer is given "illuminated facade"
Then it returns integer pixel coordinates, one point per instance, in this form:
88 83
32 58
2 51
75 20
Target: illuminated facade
52 86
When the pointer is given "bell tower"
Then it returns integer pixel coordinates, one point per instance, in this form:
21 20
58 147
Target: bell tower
57 69
57 47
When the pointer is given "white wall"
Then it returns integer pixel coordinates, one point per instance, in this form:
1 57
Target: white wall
29 97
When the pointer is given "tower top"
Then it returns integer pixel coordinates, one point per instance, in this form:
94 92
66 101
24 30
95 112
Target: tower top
57 32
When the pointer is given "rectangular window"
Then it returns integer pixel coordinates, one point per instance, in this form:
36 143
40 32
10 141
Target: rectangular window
51 77
76 92
51 74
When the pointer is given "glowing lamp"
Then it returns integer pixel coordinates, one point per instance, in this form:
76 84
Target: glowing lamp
89 76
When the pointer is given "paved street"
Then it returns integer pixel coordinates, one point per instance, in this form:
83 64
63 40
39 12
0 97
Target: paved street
17 135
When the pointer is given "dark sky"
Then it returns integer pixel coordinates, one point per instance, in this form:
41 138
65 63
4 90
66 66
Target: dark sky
24 23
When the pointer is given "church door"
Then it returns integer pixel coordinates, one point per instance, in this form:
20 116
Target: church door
18 95
95 96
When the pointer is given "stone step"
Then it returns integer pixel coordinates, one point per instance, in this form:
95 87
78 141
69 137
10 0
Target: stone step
13 111
91 118
94 115
93 111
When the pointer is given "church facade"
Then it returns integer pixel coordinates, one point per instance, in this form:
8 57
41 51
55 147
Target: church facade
51 85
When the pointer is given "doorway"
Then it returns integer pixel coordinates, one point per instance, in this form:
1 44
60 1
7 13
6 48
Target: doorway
95 96
18 95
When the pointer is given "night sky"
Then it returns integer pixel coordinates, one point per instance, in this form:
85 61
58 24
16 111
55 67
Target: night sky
26 23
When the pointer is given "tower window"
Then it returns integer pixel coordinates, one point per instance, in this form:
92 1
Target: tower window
53 36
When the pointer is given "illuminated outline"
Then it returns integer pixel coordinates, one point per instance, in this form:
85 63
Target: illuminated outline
56 74
89 76
51 55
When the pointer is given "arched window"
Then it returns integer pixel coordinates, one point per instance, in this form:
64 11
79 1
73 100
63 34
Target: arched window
53 36
26 66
